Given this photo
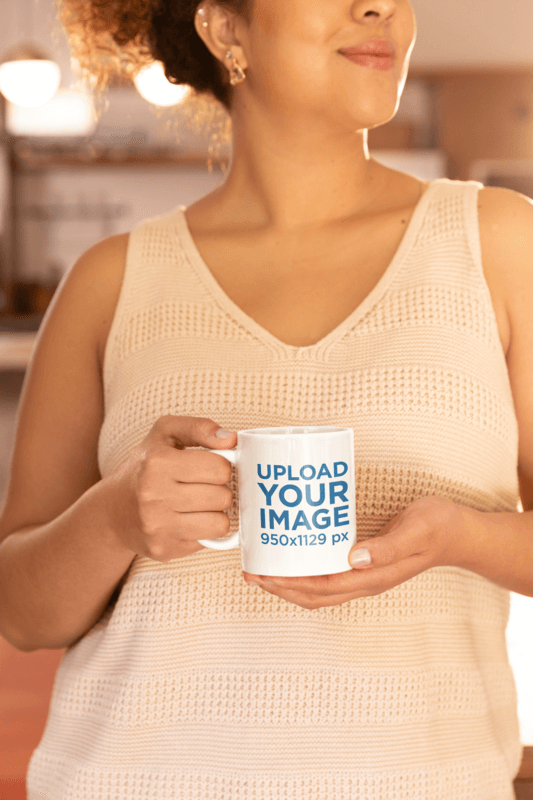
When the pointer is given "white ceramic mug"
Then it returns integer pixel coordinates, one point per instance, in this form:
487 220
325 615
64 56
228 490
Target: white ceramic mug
296 500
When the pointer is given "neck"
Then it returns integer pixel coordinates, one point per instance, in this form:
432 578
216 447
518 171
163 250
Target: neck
289 174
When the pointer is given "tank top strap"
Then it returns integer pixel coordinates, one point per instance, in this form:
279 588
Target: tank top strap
451 216
161 298
441 279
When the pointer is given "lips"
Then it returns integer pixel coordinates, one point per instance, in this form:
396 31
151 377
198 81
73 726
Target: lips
372 47
375 53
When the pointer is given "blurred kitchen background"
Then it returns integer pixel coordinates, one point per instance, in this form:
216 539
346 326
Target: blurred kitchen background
67 181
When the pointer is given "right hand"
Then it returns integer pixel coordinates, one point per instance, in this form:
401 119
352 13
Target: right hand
167 497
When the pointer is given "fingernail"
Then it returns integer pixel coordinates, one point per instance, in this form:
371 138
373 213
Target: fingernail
222 434
360 558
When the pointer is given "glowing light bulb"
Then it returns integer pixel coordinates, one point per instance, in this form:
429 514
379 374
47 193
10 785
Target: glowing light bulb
152 84
29 82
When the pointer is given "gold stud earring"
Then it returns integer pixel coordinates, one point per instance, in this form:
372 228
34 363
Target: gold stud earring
236 74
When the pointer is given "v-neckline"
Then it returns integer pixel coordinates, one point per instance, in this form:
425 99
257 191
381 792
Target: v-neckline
322 345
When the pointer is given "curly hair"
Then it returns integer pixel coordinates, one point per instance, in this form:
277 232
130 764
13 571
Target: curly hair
122 36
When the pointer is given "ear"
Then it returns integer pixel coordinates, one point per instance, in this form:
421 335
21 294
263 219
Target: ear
220 30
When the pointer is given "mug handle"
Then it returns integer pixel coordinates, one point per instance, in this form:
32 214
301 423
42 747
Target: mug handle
227 542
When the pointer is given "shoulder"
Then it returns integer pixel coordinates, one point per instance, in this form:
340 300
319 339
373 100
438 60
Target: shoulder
503 212
506 227
102 260
97 275
506 238
506 231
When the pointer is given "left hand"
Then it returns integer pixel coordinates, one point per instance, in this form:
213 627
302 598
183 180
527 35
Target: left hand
431 532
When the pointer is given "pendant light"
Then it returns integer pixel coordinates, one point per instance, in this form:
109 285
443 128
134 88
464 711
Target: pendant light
152 84
28 77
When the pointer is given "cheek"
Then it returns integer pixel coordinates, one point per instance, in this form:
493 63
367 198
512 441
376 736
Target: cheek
290 37
293 19
409 27
290 66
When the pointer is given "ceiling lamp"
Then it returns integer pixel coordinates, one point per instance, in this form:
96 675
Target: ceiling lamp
28 77
152 84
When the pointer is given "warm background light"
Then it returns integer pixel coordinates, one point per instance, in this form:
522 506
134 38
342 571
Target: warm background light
520 644
152 84
29 82
68 113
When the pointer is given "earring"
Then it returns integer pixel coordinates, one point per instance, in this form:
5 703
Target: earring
201 12
237 74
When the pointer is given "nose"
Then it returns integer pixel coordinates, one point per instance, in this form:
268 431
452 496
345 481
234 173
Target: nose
373 12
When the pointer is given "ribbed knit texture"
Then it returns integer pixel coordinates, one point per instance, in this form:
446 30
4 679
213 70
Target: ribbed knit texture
195 686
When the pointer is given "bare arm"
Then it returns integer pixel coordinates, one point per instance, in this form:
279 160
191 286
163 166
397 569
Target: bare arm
46 570
67 536
505 550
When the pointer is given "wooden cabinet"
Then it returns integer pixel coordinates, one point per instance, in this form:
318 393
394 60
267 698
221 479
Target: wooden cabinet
483 115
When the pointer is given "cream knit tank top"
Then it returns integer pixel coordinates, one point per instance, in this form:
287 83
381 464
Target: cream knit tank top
195 686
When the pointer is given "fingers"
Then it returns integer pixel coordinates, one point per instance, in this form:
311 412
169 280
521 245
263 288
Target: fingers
167 549
427 528
389 548
192 497
355 583
193 432
412 542
187 466
402 540
308 601
317 586
199 466
176 535
323 585
201 525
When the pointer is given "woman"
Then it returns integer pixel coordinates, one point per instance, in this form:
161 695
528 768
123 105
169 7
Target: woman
315 286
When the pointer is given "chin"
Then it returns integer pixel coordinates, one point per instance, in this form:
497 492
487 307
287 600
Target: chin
373 117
